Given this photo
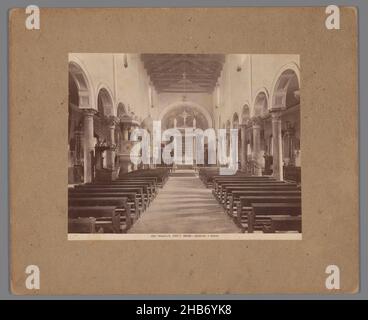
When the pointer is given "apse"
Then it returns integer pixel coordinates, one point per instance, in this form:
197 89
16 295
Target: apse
184 116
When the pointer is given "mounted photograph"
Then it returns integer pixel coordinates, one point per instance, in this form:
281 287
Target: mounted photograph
159 151
184 146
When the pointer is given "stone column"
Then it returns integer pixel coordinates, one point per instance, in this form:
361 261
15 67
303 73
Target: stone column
289 145
243 148
78 147
131 129
89 145
277 164
110 154
256 127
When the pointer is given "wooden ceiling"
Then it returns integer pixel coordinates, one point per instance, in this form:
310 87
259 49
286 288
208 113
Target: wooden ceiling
183 72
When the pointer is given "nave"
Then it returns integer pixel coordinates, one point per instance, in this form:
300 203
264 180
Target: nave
185 206
207 111
163 201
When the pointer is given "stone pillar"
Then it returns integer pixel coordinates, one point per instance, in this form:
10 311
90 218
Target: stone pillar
277 165
110 154
89 145
78 147
256 127
243 148
131 129
289 157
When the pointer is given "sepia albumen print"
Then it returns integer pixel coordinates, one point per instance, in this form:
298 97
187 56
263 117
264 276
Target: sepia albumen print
184 146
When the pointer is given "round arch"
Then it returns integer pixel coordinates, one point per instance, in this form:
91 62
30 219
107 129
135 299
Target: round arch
287 75
147 124
235 121
121 110
261 102
192 104
245 114
83 83
105 103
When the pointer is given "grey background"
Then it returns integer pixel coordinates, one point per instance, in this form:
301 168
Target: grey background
5 5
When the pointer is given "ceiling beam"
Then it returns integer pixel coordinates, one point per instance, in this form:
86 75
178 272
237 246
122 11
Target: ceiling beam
166 71
173 56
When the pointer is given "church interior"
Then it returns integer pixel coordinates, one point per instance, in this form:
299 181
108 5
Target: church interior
111 95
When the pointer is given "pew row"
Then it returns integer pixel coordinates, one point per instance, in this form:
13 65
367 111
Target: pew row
107 218
264 210
113 206
255 203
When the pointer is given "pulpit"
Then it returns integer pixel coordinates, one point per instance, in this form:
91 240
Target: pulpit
102 173
127 125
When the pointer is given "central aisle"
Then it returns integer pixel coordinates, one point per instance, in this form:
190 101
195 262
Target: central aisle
184 205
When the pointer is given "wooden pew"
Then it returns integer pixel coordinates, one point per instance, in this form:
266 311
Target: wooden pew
272 209
208 175
219 183
152 187
217 186
240 177
105 216
133 201
151 181
284 224
161 174
223 179
114 192
228 188
238 173
82 225
264 191
136 189
224 198
121 204
238 196
245 206
147 191
150 184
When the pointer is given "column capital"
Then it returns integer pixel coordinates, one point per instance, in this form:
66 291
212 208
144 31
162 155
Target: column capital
256 121
290 127
247 124
89 112
78 132
112 121
276 114
276 109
